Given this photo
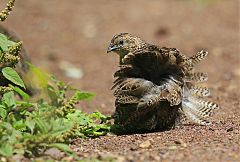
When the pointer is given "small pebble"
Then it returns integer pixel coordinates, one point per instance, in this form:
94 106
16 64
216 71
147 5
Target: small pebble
230 129
70 70
145 144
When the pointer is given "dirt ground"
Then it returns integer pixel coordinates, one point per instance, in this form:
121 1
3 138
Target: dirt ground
77 32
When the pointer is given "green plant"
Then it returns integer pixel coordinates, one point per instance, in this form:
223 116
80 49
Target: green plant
29 127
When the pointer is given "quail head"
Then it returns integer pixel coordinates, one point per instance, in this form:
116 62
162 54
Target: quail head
125 43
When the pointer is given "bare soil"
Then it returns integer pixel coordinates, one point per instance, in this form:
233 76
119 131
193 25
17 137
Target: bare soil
78 32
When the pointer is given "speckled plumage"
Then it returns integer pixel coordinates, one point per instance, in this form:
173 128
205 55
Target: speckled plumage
155 86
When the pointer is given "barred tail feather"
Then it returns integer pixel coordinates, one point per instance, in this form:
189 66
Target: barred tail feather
192 113
196 77
198 57
192 61
199 91
195 109
205 108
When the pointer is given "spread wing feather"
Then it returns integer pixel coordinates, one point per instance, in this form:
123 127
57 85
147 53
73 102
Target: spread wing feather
155 85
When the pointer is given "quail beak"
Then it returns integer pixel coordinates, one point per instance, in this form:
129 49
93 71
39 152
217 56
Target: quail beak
111 48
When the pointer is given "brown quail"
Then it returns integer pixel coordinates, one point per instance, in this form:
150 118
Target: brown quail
155 86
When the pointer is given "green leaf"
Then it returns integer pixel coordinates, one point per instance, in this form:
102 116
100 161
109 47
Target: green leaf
42 125
84 95
3 112
19 125
62 147
24 95
59 126
13 76
79 117
98 115
37 76
8 99
6 150
5 43
31 125
23 106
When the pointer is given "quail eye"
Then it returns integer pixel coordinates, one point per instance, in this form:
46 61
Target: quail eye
121 42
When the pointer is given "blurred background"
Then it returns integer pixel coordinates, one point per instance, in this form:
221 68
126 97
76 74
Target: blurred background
69 38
